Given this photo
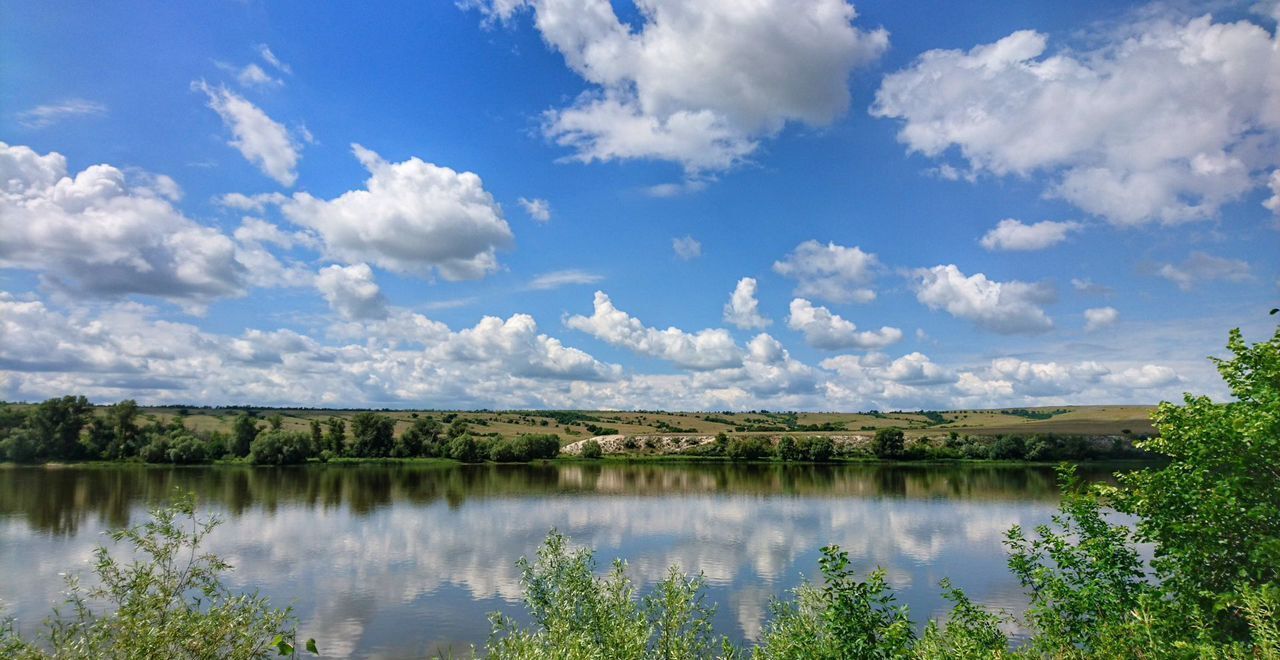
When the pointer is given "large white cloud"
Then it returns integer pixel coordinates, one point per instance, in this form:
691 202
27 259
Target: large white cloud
100 233
1164 120
828 331
352 292
260 139
412 217
743 310
830 272
697 83
705 349
1013 235
1006 307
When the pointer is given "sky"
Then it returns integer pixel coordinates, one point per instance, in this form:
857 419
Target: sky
782 204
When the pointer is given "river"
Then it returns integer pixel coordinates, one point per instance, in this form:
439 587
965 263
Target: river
407 560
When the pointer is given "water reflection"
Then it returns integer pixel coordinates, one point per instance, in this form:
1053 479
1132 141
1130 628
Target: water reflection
402 560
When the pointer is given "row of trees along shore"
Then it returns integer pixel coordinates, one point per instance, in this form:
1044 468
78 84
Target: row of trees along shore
71 429
67 429
1194 572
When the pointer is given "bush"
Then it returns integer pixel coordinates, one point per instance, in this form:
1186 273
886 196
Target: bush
787 450
748 449
280 448
575 614
187 449
818 449
170 602
888 443
465 448
1008 448
592 449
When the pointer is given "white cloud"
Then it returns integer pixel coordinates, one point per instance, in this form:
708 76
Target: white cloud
705 349
1086 285
1165 120
828 331
540 356
1201 267
260 139
1010 234
255 203
252 75
1273 202
1097 318
559 278
101 234
412 217
686 247
43 116
1005 307
352 292
830 272
538 209
697 83
270 58
743 310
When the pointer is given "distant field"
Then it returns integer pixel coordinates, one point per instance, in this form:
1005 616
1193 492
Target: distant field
576 425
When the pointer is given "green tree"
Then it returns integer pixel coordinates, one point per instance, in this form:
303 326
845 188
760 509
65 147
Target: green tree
335 437
125 437
274 447
889 443
317 435
1213 514
787 449
56 424
372 435
275 422
243 430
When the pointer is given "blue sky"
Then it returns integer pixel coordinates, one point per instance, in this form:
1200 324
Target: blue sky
511 203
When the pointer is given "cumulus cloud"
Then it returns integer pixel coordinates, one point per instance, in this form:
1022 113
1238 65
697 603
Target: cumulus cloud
1164 120
705 349
700 83
1097 318
828 331
1006 307
1273 202
257 203
260 139
126 351
99 233
1201 267
830 272
352 292
686 247
412 217
559 278
538 209
43 116
1013 235
743 310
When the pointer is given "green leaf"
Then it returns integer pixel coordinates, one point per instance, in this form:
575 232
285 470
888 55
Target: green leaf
311 646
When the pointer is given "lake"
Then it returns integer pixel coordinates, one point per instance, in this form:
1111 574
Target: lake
407 560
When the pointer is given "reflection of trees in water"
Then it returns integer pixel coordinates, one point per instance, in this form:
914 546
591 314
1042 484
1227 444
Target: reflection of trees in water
57 500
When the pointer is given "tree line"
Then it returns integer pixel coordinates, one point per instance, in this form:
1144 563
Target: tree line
67 429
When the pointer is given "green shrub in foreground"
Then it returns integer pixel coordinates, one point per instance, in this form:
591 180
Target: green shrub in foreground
170 602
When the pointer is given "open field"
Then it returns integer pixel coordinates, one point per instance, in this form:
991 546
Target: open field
577 425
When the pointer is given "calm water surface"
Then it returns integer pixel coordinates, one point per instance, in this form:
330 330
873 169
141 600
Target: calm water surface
398 561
